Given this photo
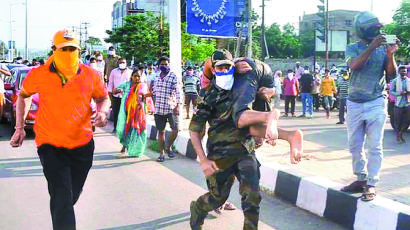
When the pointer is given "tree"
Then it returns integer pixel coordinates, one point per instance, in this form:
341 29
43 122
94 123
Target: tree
401 28
139 37
93 41
307 43
3 49
194 48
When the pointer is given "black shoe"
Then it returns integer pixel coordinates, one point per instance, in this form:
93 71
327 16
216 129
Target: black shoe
355 187
339 123
171 154
303 115
161 159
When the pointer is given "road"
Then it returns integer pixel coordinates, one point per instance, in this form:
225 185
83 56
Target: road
127 193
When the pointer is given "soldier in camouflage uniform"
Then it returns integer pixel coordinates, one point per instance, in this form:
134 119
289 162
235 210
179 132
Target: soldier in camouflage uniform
230 152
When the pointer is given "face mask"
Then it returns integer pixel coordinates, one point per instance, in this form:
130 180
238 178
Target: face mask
111 52
225 80
290 76
66 62
164 68
93 65
99 58
122 65
189 73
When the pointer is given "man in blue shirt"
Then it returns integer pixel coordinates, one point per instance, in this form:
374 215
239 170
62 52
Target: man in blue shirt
368 59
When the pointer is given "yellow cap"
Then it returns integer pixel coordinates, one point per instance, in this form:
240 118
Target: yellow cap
65 38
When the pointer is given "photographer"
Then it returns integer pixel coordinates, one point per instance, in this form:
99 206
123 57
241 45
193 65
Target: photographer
368 59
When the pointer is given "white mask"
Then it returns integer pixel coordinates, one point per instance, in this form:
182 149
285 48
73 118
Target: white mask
122 66
93 65
225 80
111 52
290 76
100 58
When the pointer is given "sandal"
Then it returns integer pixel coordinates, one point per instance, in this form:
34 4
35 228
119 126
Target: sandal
161 159
369 194
355 187
229 206
218 210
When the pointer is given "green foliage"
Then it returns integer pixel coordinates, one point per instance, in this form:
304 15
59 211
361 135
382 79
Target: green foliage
283 43
401 28
139 37
3 48
196 49
93 41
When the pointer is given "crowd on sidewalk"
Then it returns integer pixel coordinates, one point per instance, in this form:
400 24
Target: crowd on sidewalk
239 100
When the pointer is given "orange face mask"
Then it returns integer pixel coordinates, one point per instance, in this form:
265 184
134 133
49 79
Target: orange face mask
66 62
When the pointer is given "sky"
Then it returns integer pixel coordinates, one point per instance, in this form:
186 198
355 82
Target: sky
45 17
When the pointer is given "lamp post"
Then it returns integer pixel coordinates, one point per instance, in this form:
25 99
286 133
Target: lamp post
26 48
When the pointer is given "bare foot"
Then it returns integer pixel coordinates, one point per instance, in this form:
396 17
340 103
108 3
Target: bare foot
272 125
402 138
296 146
123 149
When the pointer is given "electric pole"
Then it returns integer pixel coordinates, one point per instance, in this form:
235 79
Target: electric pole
26 48
263 31
86 32
249 53
327 33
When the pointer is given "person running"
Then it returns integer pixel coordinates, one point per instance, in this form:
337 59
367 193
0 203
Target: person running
343 89
191 85
167 101
368 59
400 89
64 135
290 91
131 126
230 150
327 90
306 83
117 77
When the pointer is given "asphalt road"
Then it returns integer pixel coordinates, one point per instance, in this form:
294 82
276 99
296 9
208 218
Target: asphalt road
127 193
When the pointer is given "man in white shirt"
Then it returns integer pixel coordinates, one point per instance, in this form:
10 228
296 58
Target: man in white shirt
117 76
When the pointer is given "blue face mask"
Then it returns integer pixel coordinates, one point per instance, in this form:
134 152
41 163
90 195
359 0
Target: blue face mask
164 68
225 80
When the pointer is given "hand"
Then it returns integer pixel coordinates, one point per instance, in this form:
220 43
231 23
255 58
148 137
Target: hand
2 99
176 110
265 93
378 41
242 67
99 120
18 137
392 48
403 93
208 167
115 91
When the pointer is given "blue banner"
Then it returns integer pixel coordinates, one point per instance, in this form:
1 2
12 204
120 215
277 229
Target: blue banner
216 18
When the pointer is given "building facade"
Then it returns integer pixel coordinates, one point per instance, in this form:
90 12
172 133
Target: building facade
341 29
120 9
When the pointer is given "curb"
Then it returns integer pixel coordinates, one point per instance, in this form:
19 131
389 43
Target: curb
318 195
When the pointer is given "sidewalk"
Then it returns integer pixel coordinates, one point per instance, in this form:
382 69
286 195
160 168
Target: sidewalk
328 167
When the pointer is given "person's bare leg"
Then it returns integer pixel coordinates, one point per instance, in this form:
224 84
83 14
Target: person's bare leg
123 149
261 124
161 142
187 105
172 138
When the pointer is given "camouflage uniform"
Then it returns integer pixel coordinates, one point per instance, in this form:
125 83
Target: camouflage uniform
232 149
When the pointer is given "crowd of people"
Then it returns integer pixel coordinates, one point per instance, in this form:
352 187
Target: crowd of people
237 101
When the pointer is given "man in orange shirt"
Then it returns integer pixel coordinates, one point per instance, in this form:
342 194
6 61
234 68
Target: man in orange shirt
63 127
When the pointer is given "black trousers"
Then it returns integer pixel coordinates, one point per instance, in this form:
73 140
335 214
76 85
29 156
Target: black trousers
291 100
66 171
316 103
116 104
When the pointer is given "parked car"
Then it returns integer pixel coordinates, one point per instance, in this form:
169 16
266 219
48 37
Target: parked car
12 86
